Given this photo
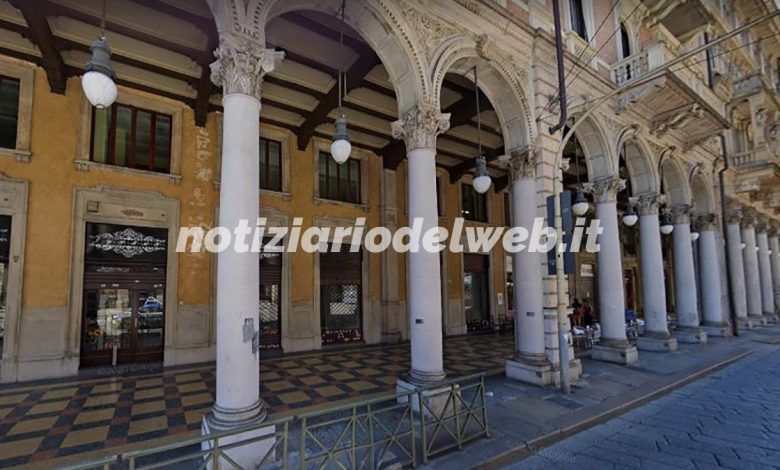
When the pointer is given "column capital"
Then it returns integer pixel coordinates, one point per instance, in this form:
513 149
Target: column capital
774 229
707 222
749 218
648 203
762 225
605 189
241 65
681 214
420 126
734 215
522 162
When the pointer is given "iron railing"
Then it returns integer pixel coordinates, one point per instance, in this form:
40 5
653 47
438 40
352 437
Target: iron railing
402 430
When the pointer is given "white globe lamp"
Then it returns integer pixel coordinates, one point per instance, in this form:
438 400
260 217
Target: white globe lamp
98 80
340 148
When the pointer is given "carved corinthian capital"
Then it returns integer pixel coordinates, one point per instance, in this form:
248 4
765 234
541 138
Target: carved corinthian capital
734 216
748 218
522 163
606 189
707 222
681 214
420 126
241 65
648 203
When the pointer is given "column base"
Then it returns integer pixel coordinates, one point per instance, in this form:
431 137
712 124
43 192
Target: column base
745 324
540 372
619 352
770 317
437 401
656 343
690 335
259 442
720 330
758 320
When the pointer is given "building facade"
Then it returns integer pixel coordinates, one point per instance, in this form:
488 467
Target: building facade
93 200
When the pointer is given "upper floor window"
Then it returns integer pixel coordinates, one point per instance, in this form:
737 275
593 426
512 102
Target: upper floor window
270 165
473 204
578 18
339 182
131 137
9 111
625 43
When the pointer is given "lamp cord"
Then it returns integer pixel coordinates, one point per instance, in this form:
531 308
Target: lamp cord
103 21
479 118
342 80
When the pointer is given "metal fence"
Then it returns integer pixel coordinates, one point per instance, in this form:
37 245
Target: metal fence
398 431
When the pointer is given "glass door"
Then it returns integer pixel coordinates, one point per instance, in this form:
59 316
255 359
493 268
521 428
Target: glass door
476 292
132 321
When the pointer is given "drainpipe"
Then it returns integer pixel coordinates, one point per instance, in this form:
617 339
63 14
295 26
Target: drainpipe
563 340
721 183
561 76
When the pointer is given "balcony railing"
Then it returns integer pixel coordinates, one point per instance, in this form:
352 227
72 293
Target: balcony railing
655 56
629 68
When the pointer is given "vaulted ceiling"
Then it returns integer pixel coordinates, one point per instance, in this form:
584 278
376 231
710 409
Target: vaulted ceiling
165 47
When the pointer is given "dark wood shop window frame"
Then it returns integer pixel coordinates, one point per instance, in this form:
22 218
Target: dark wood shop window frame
266 183
4 78
351 167
111 145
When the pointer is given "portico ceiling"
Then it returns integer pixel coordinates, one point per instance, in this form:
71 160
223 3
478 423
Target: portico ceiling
165 47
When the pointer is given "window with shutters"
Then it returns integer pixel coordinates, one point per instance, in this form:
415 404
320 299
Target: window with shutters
341 311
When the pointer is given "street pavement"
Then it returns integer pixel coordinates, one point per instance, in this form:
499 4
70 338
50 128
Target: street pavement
730 419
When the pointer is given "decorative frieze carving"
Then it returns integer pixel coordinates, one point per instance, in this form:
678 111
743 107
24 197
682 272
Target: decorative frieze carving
680 213
675 119
241 65
707 222
430 30
420 126
648 203
522 163
605 190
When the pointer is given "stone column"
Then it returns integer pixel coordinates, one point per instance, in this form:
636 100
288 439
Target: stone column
765 274
239 69
419 128
752 275
530 363
688 329
714 321
656 337
737 268
614 346
774 259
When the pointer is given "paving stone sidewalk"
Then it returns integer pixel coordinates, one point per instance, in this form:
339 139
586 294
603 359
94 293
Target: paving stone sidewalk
725 407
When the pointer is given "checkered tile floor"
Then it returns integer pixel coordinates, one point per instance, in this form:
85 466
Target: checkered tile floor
72 421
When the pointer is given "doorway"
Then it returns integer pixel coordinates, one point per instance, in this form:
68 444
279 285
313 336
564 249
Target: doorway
341 304
476 292
123 318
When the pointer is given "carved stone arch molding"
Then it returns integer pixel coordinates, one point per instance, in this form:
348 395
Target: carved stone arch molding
675 180
600 156
702 191
502 84
381 23
642 168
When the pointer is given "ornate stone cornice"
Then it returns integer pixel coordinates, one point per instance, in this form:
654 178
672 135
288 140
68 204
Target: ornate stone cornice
707 222
605 189
522 163
420 126
681 214
241 65
648 203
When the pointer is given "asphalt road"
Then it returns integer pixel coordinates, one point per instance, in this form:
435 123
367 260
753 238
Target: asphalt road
730 419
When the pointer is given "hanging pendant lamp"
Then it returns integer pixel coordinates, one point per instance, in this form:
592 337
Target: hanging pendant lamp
341 147
482 179
98 80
